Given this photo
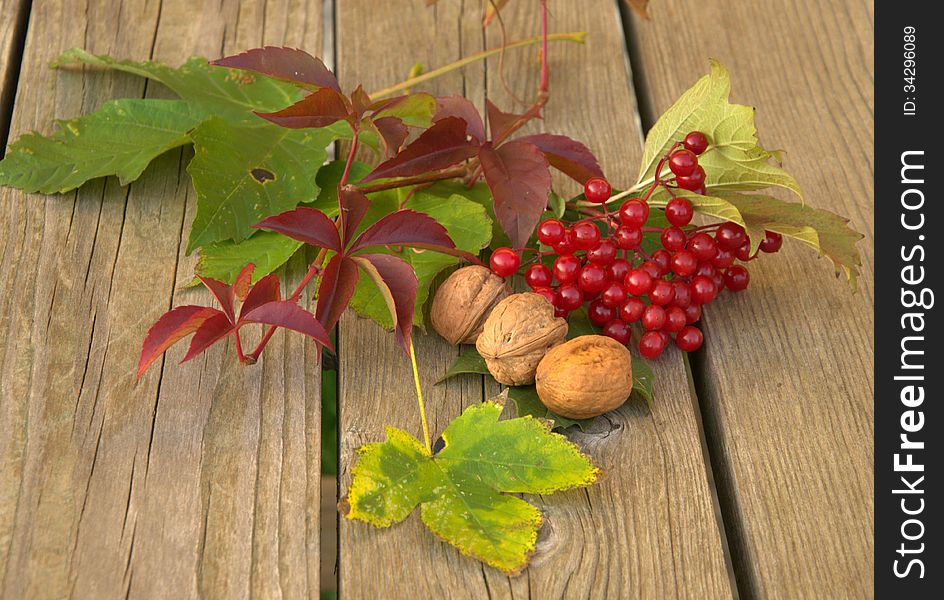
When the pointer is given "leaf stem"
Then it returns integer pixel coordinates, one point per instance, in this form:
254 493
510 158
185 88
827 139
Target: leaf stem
572 36
419 399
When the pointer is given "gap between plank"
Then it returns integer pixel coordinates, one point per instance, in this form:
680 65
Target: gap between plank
717 470
9 85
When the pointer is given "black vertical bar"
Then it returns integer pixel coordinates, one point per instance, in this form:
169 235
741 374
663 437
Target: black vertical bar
908 364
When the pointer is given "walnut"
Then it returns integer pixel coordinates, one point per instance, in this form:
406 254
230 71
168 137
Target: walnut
517 335
585 377
464 301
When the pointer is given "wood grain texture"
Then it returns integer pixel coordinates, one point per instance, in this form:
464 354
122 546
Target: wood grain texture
201 479
647 529
786 377
13 15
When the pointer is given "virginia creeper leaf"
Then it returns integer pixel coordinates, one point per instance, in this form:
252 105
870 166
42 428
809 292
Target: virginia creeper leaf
121 138
266 290
244 174
499 122
327 180
288 64
354 206
415 110
566 155
335 290
307 225
320 109
169 329
442 145
288 314
210 332
518 176
396 281
392 132
406 228
457 106
461 489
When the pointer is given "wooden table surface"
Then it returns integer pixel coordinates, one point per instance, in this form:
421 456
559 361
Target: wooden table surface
752 476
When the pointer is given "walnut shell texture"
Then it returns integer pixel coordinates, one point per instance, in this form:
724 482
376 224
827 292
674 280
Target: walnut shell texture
516 336
464 301
585 377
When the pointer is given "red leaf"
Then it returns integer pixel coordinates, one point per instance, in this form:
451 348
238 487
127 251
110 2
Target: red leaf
210 332
353 205
324 107
169 329
413 229
498 121
566 155
243 282
288 314
266 290
288 64
457 106
224 294
305 225
518 176
396 281
337 286
442 145
393 133
360 101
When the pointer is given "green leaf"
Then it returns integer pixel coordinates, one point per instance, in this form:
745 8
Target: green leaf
712 206
327 180
735 160
266 249
415 110
121 138
528 403
643 379
226 93
470 361
243 174
461 489
467 224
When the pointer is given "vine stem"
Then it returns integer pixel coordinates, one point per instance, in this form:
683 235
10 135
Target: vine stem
419 399
572 36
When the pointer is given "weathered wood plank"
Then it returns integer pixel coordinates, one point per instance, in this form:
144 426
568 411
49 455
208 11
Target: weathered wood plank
199 479
13 15
786 378
646 530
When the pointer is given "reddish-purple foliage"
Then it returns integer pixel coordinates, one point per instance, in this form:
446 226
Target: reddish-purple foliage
287 64
324 107
566 155
443 145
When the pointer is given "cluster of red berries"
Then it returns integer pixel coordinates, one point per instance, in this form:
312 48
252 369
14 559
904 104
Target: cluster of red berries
599 260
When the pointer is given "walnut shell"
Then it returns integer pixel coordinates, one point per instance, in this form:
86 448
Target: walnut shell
464 301
585 377
517 335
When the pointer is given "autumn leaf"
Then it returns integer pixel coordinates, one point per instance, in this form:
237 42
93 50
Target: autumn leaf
517 175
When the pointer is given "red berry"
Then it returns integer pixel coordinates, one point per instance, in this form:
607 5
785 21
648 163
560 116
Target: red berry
652 268
504 262
692 182
634 213
603 254
736 278
597 190
551 232
674 319
679 212
653 318
683 263
566 268
638 282
719 280
569 297
592 278
700 191
651 344
618 330
683 162
724 258
600 314
560 313
547 292
693 313
618 269
706 269
730 235
628 238
683 294
772 242
538 276
613 295
673 238
661 259
689 339
743 252
703 289
566 245
696 142
703 246
586 235
662 292
631 310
